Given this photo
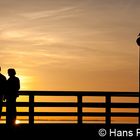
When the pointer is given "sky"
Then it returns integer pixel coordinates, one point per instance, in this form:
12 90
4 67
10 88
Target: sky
71 44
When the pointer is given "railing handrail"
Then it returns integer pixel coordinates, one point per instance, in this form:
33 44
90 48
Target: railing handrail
83 93
79 104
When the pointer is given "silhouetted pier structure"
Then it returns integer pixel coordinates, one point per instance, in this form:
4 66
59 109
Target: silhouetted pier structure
79 104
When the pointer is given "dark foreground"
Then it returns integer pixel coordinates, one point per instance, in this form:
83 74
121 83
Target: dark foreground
70 131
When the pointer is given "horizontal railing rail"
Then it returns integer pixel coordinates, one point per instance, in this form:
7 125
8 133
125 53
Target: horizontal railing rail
79 104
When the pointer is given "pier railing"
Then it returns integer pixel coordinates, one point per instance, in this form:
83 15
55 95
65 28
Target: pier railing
79 104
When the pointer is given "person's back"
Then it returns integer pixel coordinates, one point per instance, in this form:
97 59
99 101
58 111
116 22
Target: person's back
13 86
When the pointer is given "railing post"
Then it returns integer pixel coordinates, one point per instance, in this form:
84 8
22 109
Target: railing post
31 109
108 109
79 109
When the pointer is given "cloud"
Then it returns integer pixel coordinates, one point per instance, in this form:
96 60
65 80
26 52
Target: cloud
94 37
47 13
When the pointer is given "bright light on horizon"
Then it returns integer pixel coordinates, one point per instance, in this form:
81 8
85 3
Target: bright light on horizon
17 122
25 82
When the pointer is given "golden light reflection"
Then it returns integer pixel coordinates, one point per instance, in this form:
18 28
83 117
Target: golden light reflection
124 120
55 119
17 122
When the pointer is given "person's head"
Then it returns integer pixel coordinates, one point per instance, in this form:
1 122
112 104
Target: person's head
11 72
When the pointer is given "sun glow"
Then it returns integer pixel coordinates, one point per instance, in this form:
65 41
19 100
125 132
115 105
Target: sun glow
17 122
25 82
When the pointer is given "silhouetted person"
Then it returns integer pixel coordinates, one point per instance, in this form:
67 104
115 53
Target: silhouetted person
13 86
138 40
2 90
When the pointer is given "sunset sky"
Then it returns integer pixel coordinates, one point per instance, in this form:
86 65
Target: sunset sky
71 44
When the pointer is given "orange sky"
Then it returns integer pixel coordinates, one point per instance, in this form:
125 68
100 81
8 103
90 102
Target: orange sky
71 44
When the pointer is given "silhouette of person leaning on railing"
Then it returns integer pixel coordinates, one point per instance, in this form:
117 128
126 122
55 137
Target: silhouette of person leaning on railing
2 90
12 86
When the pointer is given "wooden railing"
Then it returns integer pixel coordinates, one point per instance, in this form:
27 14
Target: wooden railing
79 104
